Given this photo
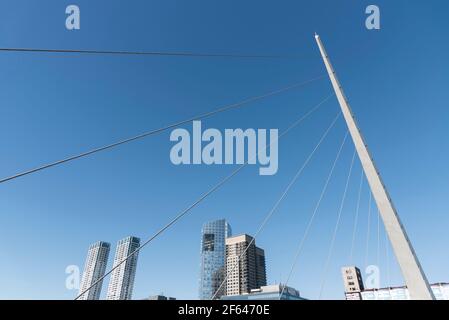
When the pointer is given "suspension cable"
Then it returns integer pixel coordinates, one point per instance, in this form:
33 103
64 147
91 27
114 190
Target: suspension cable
156 131
150 53
378 238
204 196
354 230
312 217
387 256
337 224
368 228
273 209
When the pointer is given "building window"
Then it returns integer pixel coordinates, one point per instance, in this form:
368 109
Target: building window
208 242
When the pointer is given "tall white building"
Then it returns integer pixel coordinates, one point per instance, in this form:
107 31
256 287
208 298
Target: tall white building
94 268
246 273
122 279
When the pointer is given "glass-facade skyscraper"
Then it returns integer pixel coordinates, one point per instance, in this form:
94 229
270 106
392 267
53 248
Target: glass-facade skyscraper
213 256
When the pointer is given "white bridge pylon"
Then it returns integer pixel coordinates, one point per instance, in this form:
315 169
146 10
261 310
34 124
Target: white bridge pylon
414 276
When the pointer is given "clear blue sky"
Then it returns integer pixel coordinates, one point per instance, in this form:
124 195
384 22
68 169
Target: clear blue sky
57 105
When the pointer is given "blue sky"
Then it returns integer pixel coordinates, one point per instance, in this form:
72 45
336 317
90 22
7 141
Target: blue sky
54 105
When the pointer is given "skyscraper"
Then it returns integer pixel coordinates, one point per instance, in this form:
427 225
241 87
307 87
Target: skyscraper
122 279
94 268
247 273
213 255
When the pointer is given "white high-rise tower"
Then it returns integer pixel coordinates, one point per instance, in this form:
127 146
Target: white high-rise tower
94 268
245 265
122 278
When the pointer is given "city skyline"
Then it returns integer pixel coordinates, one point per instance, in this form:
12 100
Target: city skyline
61 105
231 260
230 266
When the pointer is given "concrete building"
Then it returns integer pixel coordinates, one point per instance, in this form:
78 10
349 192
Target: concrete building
122 279
260 267
213 256
246 273
271 292
352 279
94 269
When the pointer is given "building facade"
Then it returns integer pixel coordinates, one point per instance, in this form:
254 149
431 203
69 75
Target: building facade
121 283
94 269
249 271
271 292
260 267
352 279
213 256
